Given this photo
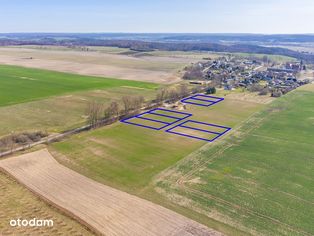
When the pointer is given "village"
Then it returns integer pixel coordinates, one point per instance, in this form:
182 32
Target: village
255 74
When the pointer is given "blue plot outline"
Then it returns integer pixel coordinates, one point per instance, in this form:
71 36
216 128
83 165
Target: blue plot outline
139 116
194 97
219 134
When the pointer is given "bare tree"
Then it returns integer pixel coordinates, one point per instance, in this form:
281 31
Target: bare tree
138 102
127 103
173 95
94 112
183 90
112 110
114 107
161 95
132 103
194 72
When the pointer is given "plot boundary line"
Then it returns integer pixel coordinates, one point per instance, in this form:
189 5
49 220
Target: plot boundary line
219 134
153 112
212 100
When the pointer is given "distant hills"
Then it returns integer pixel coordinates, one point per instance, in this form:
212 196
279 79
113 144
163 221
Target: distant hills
166 37
246 43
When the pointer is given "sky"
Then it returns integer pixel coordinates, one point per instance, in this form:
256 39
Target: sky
158 16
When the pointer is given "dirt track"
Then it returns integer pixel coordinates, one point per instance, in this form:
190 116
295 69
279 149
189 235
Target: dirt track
105 210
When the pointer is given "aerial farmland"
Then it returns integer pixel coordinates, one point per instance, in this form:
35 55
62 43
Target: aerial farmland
149 162
106 129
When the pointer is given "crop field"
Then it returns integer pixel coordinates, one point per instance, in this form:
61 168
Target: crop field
256 179
105 210
164 67
259 179
33 99
58 113
109 62
23 84
128 157
277 58
17 201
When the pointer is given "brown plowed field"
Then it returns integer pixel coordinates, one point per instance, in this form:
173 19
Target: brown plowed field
156 69
105 210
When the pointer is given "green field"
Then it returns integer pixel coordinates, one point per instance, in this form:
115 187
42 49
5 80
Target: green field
130 157
276 58
59 113
18 84
261 178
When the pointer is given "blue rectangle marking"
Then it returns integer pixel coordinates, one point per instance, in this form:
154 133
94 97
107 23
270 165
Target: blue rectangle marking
153 112
211 100
185 125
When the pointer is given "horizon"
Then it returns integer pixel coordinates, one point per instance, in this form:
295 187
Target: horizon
161 33
139 16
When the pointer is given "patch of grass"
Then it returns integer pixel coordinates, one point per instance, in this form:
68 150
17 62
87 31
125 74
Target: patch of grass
18 84
125 156
260 179
276 58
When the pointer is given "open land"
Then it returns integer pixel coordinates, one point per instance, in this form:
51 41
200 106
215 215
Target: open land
128 157
33 99
157 67
132 155
256 180
59 113
260 178
16 201
105 210
24 84
46 100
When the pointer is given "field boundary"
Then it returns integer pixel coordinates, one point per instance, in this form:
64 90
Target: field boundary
51 203
118 212
56 137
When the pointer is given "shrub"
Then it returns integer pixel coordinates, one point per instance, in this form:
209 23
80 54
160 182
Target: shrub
264 91
255 88
21 139
276 94
211 90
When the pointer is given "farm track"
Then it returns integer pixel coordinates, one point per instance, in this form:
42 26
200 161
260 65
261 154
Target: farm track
101 208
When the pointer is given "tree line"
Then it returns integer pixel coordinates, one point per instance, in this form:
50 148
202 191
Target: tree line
97 112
